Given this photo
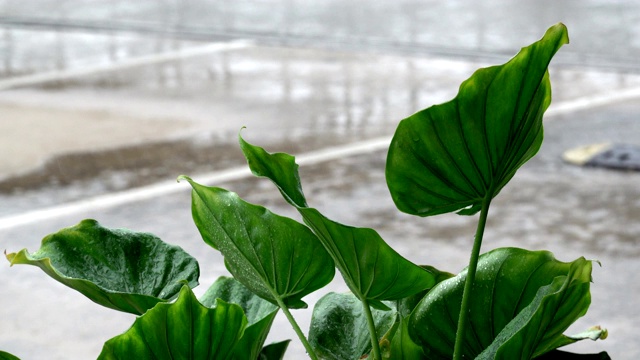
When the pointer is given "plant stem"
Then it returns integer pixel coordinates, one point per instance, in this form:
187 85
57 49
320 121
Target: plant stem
375 347
296 328
471 276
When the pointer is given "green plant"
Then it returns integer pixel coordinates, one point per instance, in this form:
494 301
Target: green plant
456 156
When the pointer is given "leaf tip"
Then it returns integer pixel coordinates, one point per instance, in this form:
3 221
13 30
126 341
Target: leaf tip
597 262
557 34
240 139
605 333
14 258
184 177
9 257
600 332
565 32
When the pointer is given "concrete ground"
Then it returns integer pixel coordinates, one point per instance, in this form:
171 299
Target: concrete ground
119 132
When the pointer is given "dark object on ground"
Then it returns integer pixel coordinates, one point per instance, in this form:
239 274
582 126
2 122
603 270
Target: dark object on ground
606 155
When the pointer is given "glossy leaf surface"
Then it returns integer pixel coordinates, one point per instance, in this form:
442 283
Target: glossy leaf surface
274 256
402 347
117 268
451 156
370 267
185 329
522 302
259 312
339 327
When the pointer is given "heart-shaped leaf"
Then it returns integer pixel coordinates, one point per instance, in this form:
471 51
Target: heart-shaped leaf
522 302
185 329
117 268
276 257
452 156
259 312
339 327
372 270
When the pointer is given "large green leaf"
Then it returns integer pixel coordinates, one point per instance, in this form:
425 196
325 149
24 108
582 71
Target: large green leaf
452 156
522 302
185 329
275 257
371 268
117 268
259 312
402 346
339 328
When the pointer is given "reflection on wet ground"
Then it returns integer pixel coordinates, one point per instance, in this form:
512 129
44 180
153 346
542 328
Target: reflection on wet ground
604 33
295 99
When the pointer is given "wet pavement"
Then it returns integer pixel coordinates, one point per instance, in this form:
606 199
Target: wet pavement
170 117
149 105
604 33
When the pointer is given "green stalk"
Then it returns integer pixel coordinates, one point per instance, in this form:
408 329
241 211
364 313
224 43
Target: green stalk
296 328
375 346
471 276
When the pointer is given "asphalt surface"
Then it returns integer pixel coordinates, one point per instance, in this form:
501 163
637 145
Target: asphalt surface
116 111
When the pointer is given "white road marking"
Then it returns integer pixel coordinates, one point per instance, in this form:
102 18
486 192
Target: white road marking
49 76
590 102
241 172
170 187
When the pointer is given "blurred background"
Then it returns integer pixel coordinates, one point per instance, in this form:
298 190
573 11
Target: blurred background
104 103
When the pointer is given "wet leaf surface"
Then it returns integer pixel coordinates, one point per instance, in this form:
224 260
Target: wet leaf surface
259 312
185 329
522 302
449 157
370 267
275 257
339 327
117 268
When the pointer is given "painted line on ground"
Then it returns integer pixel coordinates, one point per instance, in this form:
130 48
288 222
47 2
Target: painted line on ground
170 187
58 75
590 102
241 172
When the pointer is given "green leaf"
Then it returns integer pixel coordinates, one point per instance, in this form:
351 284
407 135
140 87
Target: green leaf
6 356
537 329
339 327
185 329
406 305
275 257
593 333
370 267
117 268
522 302
451 156
402 346
274 351
259 312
